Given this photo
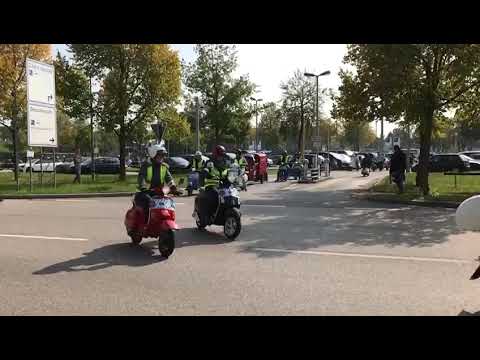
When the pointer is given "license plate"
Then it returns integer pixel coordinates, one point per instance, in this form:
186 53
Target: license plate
164 203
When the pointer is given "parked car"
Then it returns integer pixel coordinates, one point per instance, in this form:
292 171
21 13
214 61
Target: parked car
311 157
472 154
103 165
447 162
6 163
345 152
46 165
189 157
474 163
178 164
67 167
339 161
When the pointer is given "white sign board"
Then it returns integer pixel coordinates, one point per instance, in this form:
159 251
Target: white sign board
30 154
42 126
317 145
41 112
40 82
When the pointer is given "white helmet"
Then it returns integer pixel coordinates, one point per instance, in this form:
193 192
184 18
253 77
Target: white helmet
198 153
155 149
468 214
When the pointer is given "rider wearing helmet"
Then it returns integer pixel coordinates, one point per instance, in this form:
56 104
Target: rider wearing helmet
153 174
198 165
197 162
216 169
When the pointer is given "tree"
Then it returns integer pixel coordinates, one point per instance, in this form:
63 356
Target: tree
269 126
357 134
413 83
298 105
140 84
13 102
73 105
224 97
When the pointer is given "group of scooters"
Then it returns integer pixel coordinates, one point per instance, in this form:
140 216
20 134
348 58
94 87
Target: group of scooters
161 222
375 165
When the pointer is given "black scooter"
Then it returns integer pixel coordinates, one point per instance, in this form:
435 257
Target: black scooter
227 213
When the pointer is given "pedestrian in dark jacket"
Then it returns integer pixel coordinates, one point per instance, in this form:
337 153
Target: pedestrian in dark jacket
398 166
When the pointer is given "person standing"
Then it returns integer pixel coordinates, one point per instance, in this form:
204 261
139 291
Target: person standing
77 163
398 166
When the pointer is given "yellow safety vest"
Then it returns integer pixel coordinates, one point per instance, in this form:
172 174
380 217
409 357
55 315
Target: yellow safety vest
215 176
163 173
242 162
198 164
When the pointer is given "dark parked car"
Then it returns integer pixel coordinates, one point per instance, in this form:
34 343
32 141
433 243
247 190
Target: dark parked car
103 165
448 162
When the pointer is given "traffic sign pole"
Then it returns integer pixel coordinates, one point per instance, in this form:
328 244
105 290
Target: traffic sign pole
54 171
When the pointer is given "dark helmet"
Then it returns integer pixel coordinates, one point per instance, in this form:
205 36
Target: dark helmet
219 151
239 152
284 152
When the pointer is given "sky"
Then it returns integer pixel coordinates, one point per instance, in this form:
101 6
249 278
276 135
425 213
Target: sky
269 64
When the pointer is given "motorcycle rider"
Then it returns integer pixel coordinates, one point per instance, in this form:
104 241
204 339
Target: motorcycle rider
242 164
367 161
216 169
153 174
198 164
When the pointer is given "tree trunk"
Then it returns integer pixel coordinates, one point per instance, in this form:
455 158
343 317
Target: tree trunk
425 144
122 142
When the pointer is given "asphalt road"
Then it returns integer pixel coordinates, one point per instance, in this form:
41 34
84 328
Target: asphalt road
303 250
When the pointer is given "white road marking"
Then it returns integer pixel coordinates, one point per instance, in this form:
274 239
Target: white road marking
41 237
389 257
260 205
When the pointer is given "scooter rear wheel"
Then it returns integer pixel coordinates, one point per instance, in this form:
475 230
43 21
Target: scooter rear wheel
200 226
166 243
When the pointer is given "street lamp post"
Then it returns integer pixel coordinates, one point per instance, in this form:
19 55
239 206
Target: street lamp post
92 139
197 123
256 121
316 108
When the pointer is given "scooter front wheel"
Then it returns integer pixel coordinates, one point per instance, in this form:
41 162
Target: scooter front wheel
136 239
233 224
166 243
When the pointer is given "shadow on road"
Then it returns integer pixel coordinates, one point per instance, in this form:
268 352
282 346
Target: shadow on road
315 219
107 256
127 254
194 237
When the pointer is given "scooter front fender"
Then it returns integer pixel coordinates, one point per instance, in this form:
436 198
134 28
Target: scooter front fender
167 225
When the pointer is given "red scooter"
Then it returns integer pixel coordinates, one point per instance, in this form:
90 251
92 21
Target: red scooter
161 222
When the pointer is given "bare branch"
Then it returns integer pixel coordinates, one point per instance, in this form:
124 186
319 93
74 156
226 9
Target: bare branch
458 94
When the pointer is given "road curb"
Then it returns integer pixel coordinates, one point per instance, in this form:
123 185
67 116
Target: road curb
433 204
64 196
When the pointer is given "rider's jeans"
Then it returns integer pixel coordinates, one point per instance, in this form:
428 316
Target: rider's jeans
208 203
143 199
